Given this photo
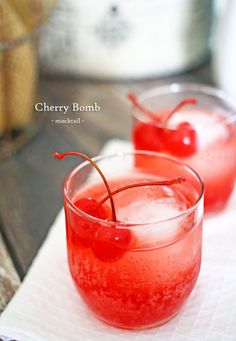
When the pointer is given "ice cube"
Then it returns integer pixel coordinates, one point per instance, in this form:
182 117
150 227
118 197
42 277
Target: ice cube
209 126
147 210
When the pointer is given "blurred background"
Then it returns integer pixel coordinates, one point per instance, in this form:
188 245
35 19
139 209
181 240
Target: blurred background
57 53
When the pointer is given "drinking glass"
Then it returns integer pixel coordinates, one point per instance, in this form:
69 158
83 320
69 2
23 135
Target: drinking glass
136 272
209 146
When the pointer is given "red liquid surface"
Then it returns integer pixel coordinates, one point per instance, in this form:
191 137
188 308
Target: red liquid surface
211 152
140 277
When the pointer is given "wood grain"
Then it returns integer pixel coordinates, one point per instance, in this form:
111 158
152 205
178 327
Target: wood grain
9 280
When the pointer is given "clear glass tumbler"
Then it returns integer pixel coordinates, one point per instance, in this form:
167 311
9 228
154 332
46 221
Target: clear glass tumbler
138 271
202 135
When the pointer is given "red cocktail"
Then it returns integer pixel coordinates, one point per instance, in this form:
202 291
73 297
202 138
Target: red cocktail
199 131
134 268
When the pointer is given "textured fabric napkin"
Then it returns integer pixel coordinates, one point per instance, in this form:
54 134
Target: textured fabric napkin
47 306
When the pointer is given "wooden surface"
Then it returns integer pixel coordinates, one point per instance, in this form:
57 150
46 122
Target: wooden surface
31 181
9 280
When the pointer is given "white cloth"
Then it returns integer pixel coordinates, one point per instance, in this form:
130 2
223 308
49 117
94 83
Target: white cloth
47 306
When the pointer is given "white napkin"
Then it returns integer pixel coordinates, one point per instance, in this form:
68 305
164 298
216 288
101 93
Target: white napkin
47 306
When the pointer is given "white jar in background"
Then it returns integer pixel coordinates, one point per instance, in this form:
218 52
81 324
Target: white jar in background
127 38
224 48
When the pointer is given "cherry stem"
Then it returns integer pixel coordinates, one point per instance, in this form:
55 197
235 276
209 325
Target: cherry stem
133 98
178 180
109 196
178 107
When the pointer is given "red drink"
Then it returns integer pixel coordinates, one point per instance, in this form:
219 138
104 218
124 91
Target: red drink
200 135
136 272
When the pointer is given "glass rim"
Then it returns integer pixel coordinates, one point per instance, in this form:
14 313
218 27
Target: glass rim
131 226
175 88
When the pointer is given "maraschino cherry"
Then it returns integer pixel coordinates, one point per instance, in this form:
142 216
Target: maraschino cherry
85 228
107 242
155 134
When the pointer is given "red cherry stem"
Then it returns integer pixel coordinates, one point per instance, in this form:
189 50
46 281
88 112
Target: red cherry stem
109 196
133 98
178 107
178 180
